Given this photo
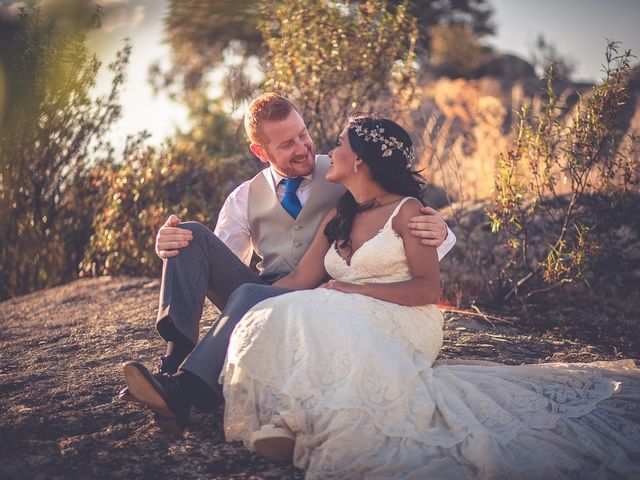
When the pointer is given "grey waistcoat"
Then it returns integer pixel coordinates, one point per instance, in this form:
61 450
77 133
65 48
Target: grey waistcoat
277 238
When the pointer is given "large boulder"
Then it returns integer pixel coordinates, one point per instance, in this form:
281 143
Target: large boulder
505 67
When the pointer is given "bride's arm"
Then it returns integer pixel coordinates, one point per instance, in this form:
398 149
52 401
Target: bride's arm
424 286
310 270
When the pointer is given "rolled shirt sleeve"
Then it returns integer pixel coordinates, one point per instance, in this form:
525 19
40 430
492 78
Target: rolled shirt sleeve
447 245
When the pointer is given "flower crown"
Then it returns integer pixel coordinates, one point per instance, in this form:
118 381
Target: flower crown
387 145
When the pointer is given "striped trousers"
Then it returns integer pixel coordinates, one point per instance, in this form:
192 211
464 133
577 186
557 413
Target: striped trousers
206 268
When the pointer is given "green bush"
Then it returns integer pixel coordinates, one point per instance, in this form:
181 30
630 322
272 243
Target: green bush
146 187
333 58
48 141
552 171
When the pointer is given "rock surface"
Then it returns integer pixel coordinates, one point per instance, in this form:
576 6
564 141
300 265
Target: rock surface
60 356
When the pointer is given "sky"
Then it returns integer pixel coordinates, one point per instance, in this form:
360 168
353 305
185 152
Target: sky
578 29
142 23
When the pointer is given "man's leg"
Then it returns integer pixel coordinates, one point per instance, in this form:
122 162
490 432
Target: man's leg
207 359
170 396
205 268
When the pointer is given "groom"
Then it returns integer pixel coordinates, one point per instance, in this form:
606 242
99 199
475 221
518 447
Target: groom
276 214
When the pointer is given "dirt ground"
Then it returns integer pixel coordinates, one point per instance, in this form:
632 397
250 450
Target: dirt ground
61 352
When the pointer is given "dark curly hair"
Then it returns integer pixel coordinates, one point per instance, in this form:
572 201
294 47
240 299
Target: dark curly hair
393 172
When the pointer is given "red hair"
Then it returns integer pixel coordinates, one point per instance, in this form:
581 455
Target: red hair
267 107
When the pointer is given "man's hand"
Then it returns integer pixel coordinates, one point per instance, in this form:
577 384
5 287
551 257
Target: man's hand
430 227
170 238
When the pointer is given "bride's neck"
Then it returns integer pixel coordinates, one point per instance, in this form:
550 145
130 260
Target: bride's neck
364 191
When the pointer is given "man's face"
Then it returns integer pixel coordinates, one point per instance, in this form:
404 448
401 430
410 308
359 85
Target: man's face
289 149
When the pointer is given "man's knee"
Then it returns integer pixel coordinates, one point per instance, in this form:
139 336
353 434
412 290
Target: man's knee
196 228
202 235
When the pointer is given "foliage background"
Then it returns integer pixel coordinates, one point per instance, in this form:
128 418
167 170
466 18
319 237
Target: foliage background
73 205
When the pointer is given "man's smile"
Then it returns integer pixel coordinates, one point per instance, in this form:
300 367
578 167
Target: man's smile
302 159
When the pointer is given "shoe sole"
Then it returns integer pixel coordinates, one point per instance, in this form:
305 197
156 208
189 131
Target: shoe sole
141 387
275 448
127 397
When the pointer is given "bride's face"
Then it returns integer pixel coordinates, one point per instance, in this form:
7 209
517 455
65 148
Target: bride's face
343 160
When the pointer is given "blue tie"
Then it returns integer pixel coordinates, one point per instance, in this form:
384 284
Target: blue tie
290 201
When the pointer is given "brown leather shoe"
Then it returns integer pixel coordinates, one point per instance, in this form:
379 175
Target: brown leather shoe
125 395
161 393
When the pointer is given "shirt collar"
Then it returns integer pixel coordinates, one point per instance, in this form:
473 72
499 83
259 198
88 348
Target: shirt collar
276 178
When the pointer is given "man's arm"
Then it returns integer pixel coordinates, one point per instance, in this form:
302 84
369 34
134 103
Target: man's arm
433 231
233 224
446 246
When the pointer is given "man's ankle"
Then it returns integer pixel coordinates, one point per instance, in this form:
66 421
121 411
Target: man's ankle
169 364
178 346
200 394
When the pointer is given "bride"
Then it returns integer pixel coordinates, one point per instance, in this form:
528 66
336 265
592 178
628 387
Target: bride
342 379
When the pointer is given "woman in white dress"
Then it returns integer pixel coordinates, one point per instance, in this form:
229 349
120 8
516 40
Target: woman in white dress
342 377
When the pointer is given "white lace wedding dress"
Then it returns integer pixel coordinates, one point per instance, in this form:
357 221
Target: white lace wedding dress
354 378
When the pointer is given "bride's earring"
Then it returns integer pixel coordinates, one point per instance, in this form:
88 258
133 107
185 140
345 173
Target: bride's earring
355 167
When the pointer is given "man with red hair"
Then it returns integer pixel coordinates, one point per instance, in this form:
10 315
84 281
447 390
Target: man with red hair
276 215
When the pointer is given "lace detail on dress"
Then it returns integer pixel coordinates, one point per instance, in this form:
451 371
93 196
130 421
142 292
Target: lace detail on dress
381 259
354 378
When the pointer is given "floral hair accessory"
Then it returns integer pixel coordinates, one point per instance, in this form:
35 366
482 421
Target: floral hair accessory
387 145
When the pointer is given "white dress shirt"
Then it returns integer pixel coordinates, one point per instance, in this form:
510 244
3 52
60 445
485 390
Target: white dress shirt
233 221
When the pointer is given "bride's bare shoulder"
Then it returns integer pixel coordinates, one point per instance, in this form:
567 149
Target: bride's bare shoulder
410 208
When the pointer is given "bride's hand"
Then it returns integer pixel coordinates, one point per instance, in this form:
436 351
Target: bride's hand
340 286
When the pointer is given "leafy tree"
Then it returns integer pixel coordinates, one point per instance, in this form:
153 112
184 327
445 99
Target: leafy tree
200 31
333 59
473 15
50 133
210 37
222 36
561 174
